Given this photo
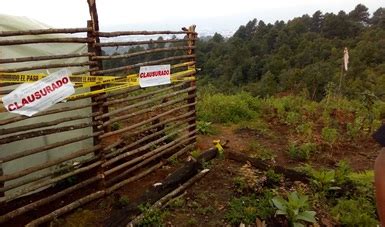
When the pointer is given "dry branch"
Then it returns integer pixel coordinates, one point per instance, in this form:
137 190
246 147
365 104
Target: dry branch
120 131
49 163
51 181
47 147
160 203
259 164
67 208
128 67
46 124
127 154
152 126
146 110
42 58
44 132
43 175
45 40
47 112
121 33
48 199
48 66
152 158
142 157
135 43
132 98
156 98
44 31
149 51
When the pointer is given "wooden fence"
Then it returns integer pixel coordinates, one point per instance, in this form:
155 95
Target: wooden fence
97 143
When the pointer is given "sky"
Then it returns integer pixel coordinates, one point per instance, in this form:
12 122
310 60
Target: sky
172 14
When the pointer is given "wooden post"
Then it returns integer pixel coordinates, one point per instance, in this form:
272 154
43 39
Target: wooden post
191 43
94 48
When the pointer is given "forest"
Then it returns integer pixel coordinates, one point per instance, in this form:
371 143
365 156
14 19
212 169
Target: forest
302 56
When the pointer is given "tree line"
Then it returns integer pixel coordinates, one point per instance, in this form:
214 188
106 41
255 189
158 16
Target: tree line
301 56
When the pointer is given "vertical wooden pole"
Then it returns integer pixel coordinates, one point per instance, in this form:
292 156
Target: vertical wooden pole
94 24
191 42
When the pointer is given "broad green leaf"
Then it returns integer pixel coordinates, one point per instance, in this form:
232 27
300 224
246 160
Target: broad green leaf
307 216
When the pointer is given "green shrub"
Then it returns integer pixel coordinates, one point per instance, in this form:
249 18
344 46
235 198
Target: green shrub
205 128
273 177
358 212
219 108
295 209
305 130
329 135
293 118
246 209
151 217
301 152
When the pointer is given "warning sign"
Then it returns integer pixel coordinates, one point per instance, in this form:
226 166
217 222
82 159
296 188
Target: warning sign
29 99
154 75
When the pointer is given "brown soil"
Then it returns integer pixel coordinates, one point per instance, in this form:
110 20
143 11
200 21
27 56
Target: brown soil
207 202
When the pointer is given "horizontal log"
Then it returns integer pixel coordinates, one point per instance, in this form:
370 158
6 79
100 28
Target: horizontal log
134 178
146 110
14 156
148 145
46 124
123 216
45 40
48 199
260 164
129 67
136 43
67 208
48 66
34 187
44 132
156 98
30 170
44 31
152 126
164 200
42 58
122 33
149 51
140 96
48 112
150 159
37 177
120 131
142 157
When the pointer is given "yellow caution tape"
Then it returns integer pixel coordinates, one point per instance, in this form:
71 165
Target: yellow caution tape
114 83
217 144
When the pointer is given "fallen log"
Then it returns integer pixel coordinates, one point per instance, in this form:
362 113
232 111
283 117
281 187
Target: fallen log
259 164
123 216
163 201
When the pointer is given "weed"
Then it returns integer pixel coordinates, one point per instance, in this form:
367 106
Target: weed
124 201
205 128
247 208
295 209
177 203
329 135
240 184
357 212
272 177
293 118
115 126
192 222
258 125
173 160
219 108
195 153
151 217
301 152
261 151
305 130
